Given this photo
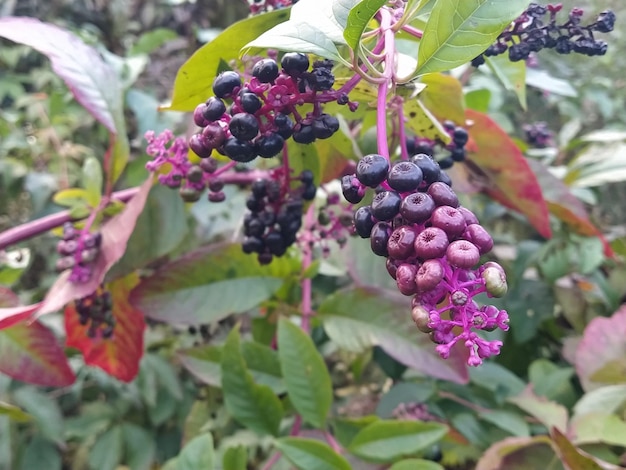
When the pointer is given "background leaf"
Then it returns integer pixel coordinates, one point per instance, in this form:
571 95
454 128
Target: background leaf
360 15
459 30
305 374
309 454
198 454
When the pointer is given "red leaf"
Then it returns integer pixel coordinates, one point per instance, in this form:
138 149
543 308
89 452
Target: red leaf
91 80
565 206
119 356
31 353
13 315
115 235
601 353
510 179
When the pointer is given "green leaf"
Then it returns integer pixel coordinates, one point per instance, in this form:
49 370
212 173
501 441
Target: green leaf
198 454
345 429
38 451
359 318
443 96
573 458
235 458
185 291
306 376
416 464
423 123
71 197
510 422
459 30
310 454
139 447
511 74
597 427
92 180
14 413
608 399
387 441
44 410
360 15
261 360
195 78
106 453
152 40
549 413
254 406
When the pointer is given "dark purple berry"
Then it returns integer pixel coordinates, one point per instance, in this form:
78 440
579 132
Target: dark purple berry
405 279
404 176
306 177
478 236
449 220
213 136
468 215
265 70
216 185
416 208
214 109
225 83
401 243
349 190
239 150
429 275
325 126
460 136
385 205
268 146
198 115
303 134
445 178
218 196
457 154
462 254
284 125
309 192
379 237
250 103
198 146
443 195
363 221
294 63
244 126
372 170
265 258
430 168
209 165
605 22
275 243
392 266
252 245
195 174
445 163
431 243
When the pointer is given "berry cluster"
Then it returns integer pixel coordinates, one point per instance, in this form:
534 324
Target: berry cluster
530 32
190 179
432 246
334 223
263 6
446 155
246 119
538 135
78 249
96 310
275 214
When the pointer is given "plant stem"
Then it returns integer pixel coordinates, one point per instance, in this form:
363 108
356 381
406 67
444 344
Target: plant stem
332 442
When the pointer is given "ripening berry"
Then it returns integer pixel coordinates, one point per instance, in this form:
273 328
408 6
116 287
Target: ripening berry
214 109
417 208
432 242
462 254
379 237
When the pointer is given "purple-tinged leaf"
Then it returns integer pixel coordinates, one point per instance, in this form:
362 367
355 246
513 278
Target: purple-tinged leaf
601 354
549 413
574 458
115 234
521 453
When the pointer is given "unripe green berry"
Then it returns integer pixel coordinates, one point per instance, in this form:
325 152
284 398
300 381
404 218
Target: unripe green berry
495 281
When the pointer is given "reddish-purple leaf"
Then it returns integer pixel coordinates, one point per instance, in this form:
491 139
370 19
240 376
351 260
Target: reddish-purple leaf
30 352
565 206
92 81
574 458
509 178
520 453
115 234
601 353
119 356
549 413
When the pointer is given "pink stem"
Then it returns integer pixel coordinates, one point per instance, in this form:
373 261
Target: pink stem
404 153
332 442
295 430
381 121
412 31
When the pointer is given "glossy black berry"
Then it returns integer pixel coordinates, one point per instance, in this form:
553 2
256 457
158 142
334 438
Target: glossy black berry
605 22
445 178
445 163
303 134
363 221
417 208
252 245
214 109
275 243
321 79
306 177
379 237
460 136
386 205
265 70
226 83
457 154
244 126
259 188
325 126
250 103
268 146
309 192
198 145
350 192
284 125
430 168
239 150
404 176
372 170
294 63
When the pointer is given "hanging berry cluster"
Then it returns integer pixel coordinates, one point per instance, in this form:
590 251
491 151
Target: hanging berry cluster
79 250
530 32
246 119
275 214
432 246
96 310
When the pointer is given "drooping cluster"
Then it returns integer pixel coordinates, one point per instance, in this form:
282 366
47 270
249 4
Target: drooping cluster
538 135
96 310
79 250
275 214
249 118
171 154
445 155
532 32
433 246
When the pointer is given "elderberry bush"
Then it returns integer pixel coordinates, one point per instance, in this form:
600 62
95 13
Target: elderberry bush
432 247
537 28
445 154
250 117
78 250
274 214
96 310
